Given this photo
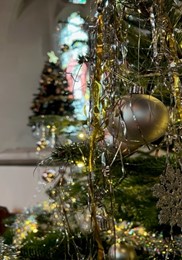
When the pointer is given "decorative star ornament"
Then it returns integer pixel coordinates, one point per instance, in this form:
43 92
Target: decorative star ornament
52 57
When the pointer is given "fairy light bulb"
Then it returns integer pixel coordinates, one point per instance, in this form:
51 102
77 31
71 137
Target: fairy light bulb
80 164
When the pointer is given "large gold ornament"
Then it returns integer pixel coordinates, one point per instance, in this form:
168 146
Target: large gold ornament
121 251
138 119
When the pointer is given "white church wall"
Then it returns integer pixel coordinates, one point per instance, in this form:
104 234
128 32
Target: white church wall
20 188
24 43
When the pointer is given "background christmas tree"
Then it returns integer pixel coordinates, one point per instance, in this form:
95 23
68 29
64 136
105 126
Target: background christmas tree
53 97
52 106
107 193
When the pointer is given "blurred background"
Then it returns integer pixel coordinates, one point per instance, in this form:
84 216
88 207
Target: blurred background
28 31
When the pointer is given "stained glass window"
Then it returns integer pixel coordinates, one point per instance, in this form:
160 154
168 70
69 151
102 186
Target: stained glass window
78 1
73 42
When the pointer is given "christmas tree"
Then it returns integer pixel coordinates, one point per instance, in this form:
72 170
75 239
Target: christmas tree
118 194
52 107
53 97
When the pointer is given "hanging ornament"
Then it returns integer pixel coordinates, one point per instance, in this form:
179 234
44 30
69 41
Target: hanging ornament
42 144
83 219
52 136
49 175
169 194
138 119
121 251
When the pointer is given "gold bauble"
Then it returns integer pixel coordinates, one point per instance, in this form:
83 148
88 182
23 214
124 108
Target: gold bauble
121 251
138 119
132 253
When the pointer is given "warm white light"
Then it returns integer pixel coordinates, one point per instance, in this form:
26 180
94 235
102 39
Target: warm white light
81 135
80 164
